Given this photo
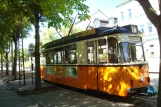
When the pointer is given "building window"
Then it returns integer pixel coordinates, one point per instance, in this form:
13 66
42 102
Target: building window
150 29
129 12
151 46
142 28
122 16
151 54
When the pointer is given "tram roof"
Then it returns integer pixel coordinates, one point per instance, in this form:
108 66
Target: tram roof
88 34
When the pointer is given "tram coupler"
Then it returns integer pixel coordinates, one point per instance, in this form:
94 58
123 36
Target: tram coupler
150 90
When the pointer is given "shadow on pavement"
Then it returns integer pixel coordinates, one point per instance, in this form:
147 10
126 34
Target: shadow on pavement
60 95
33 92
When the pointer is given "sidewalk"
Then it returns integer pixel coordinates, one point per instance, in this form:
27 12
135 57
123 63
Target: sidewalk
9 96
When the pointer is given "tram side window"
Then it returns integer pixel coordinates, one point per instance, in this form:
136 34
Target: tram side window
133 53
49 59
102 51
136 51
65 57
112 50
71 72
124 48
90 52
58 56
70 54
55 57
59 53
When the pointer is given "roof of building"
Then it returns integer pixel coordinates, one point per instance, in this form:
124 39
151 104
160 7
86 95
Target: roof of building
112 18
100 19
123 2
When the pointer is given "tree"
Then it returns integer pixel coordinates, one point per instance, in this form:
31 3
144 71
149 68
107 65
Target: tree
11 22
74 30
51 34
56 13
26 58
156 20
48 35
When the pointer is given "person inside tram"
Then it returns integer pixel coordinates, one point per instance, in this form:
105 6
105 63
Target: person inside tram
112 56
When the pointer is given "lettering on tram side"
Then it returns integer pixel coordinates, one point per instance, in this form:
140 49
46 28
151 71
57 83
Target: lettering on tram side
71 72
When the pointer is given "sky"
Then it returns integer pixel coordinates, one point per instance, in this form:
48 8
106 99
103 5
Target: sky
108 7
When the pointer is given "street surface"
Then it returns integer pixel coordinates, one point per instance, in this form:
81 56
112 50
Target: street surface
13 95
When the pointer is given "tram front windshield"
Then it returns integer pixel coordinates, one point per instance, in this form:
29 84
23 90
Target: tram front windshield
132 52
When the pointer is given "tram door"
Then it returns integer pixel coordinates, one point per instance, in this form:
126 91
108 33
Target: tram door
100 52
92 68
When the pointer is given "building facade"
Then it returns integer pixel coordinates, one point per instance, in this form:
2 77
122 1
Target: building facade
131 12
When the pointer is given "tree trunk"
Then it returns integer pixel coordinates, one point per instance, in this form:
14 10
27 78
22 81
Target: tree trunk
159 36
37 54
2 62
14 71
156 20
159 85
11 54
7 72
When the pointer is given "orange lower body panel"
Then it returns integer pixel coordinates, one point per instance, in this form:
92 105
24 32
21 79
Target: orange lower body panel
113 80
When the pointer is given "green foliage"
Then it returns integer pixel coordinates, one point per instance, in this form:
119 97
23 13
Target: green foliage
59 12
11 20
26 56
104 56
27 64
48 35
74 30
56 13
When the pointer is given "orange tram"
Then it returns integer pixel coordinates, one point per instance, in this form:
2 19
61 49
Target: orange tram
109 60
